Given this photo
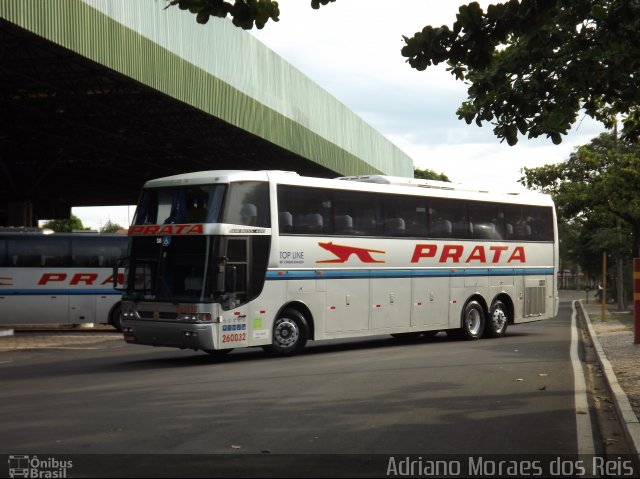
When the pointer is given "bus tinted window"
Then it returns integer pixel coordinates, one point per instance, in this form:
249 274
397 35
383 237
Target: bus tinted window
193 204
304 210
97 252
448 219
3 252
248 204
486 220
355 213
37 252
404 215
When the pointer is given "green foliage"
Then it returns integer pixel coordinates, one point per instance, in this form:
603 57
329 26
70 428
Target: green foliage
65 225
244 13
315 4
597 191
532 65
428 174
110 227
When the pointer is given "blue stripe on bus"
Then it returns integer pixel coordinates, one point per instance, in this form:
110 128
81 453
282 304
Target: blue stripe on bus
59 292
403 273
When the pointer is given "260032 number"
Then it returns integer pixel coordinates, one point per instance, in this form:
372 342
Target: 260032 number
234 338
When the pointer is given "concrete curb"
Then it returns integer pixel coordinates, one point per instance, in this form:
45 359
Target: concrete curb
630 422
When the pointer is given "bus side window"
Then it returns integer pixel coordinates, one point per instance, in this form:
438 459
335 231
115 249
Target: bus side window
248 204
303 210
4 261
285 220
361 208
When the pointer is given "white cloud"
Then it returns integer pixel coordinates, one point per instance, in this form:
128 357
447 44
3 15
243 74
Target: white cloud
352 49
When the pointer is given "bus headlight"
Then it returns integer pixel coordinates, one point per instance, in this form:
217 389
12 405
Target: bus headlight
129 313
195 317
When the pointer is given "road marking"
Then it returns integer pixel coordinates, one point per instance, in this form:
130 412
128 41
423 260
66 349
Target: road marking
583 413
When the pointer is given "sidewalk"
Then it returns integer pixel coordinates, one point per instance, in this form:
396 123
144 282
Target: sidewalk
60 337
619 359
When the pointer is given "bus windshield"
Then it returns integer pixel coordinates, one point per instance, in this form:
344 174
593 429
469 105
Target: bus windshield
242 203
190 204
172 268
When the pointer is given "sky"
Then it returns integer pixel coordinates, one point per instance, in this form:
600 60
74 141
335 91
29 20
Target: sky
351 48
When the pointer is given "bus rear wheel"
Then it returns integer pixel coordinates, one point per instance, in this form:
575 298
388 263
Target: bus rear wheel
498 320
290 334
473 321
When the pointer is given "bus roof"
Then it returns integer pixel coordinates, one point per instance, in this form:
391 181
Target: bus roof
374 183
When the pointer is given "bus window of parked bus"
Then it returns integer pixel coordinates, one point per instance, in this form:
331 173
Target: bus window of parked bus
34 252
3 253
96 252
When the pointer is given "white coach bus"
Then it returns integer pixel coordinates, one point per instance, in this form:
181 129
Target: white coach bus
226 259
59 278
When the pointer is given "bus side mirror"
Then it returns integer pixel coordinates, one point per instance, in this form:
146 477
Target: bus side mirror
220 277
231 278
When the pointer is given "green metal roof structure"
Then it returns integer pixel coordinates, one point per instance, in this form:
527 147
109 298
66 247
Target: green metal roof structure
98 96
217 68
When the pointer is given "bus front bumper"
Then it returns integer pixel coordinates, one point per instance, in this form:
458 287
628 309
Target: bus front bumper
172 334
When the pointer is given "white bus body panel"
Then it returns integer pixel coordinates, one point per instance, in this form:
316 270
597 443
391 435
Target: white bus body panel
56 295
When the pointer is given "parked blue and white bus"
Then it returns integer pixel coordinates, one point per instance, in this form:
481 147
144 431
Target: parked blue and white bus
226 259
61 278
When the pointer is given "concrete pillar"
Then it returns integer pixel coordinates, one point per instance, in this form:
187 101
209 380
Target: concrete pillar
20 214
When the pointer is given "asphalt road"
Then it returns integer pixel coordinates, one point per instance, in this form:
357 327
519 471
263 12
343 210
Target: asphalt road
512 395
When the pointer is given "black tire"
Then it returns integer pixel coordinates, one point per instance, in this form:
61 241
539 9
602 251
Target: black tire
407 336
115 319
218 352
290 334
498 320
473 321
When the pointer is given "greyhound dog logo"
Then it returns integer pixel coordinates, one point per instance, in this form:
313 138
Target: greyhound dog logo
343 253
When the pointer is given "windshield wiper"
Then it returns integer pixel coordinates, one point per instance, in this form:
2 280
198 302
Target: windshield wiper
166 287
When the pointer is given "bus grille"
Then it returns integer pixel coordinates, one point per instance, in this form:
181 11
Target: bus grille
162 315
534 299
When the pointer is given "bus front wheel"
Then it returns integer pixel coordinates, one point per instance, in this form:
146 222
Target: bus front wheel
290 334
115 319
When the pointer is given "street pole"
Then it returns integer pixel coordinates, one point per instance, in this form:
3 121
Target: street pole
636 300
604 286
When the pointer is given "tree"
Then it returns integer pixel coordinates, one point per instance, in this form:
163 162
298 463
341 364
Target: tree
244 13
598 178
533 65
110 227
596 193
65 225
428 174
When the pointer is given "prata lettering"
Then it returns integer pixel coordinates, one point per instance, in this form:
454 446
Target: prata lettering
77 279
162 230
455 253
